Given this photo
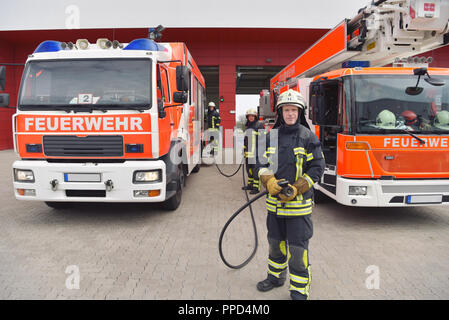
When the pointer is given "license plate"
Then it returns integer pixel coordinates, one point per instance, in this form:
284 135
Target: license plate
82 177
429 198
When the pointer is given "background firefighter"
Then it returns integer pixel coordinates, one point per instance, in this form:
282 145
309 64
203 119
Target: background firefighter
254 129
299 161
213 125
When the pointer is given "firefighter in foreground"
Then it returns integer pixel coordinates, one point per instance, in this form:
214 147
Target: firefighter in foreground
253 129
300 161
213 124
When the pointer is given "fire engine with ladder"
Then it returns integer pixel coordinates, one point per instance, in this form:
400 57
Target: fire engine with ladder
382 116
108 122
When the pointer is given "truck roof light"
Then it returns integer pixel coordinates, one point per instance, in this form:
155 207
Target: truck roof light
82 44
67 45
354 64
104 43
144 44
116 44
49 46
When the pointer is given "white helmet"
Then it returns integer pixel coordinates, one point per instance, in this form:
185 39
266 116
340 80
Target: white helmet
386 119
251 112
442 120
211 104
291 97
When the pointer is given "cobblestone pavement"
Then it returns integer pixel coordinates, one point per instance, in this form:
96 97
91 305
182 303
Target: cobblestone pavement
128 251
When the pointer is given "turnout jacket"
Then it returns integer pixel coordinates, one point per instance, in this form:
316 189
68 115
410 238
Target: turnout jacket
250 142
213 119
297 153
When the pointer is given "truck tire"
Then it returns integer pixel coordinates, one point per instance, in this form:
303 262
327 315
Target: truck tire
320 197
173 203
196 168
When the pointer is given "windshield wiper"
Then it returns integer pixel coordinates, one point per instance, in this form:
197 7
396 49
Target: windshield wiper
376 130
84 107
140 108
90 109
43 107
421 141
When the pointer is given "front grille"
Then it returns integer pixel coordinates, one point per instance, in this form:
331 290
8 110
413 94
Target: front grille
89 146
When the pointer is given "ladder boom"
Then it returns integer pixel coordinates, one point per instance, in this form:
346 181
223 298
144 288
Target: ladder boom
379 34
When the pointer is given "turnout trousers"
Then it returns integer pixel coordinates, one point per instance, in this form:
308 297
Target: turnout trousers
253 180
288 240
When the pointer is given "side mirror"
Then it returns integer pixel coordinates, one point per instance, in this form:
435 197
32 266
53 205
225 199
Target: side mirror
2 78
413 91
4 99
182 78
180 96
160 107
316 104
435 81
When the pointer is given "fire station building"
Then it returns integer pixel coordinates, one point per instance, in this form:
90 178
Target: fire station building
238 45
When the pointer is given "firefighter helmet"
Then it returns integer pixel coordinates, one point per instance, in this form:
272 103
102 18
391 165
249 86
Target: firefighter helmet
251 112
442 120
291 97
410 117
386 119
211 104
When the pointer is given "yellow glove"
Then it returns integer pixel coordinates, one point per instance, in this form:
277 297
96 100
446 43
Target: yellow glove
293 196
302 185
272 185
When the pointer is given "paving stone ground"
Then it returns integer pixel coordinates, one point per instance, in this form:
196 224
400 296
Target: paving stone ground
128 251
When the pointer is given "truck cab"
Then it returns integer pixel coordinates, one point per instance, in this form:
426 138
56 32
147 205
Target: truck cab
384 134
107 122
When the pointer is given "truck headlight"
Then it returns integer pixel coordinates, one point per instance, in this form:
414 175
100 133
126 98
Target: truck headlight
21 175
147 176
357 190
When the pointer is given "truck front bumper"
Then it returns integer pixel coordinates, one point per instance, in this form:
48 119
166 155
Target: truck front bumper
393 193
103 182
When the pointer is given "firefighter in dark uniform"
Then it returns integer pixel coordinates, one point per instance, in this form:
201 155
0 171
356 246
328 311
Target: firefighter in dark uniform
213 124
300 161
253 130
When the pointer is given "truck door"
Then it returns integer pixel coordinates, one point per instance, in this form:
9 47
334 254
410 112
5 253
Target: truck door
326 110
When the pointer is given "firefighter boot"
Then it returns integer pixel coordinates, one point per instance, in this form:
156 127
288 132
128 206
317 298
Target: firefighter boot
254 190
295 295
271 282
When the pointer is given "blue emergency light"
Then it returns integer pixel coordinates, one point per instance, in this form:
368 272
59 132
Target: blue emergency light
134 148
49 46
144 44
354 64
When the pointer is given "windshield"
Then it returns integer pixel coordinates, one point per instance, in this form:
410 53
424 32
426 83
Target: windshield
86 84
381 104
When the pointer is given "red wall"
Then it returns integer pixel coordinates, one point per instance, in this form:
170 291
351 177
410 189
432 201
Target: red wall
7 56
226 48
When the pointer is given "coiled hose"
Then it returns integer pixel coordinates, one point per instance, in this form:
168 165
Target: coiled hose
248 203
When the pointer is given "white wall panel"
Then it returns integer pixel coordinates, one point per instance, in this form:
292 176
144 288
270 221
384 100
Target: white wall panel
89 14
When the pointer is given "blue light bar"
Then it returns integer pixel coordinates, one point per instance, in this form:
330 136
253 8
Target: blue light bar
144 44
49 46
353 64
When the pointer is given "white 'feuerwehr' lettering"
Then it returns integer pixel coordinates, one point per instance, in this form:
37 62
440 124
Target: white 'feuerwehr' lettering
410 142
77 124
40 124
65 124
108 123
